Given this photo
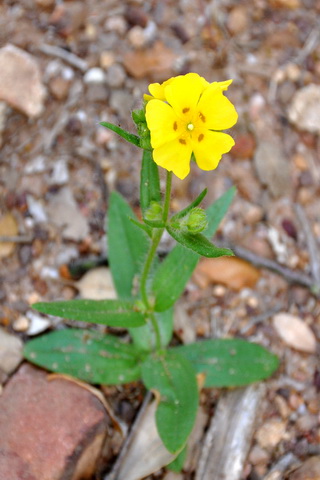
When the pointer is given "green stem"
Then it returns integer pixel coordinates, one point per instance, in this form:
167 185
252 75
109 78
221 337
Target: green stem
155 240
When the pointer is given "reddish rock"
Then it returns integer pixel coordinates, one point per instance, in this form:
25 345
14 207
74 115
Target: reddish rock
49 429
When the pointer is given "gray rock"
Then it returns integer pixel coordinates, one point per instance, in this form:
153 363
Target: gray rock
10 354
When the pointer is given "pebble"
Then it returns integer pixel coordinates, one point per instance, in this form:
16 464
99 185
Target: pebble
115 76
117 24
94 75
60 172
271 433
309 470
21 81
37 323
59 87
258 455
64 212
107 59
10 354
238 20
304 110
36 209
295 332
21 324
97 284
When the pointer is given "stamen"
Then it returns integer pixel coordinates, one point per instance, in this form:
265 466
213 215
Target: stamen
190 126
185 110
183 142
202 117
201 137
175 126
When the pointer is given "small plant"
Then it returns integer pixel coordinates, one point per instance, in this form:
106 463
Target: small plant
181 121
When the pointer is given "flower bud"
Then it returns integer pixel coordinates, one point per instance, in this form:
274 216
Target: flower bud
196 221
139 119
154 212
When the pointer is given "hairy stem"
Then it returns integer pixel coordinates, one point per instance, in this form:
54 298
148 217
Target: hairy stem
155 240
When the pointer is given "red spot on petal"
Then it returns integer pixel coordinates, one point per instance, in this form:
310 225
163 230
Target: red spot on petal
175 126
183 142
186 110
201 137
202 117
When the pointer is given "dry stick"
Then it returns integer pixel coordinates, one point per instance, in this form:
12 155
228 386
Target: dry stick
285 462
68 57
16 238
116 467
229 436
311 243
291 275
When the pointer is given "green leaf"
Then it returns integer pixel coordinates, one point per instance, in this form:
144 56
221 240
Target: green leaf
150 183
130 137
144 337
177 464
217 211
230 362
114 313
127 246
85 354
198 243
192 205
173 377
173 273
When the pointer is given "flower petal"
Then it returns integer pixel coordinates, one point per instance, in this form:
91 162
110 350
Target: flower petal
223 85
174 157
216 110
157 89
161 120
183 93
209 150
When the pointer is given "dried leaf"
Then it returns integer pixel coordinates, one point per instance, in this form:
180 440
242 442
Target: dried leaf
8 227
233 272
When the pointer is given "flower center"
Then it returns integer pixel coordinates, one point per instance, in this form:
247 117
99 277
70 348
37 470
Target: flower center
190 126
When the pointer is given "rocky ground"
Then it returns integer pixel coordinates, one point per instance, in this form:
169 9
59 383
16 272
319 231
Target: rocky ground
66 66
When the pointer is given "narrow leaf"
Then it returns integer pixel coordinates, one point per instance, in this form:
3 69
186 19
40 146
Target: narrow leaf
88 355
144 337
173 273
127 246
230 362
198 243
173 377
114 313
150 183
130 137
192 205
217 211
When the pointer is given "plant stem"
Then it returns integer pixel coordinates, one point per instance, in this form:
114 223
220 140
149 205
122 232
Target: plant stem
156 237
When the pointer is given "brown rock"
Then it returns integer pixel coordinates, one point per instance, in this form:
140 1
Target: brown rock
310 470
238 20
67 18
244 146
156 61
271 433
20 81
49 429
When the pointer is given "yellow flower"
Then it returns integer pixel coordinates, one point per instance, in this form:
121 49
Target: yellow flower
183 116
